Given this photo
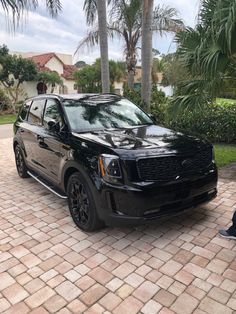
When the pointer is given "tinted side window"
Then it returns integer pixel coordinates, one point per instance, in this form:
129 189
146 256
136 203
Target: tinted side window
36 112
24 111
51 113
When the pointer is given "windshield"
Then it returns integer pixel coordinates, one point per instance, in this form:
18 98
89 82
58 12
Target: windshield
84 116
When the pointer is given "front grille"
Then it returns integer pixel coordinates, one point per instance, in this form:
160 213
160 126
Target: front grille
170 167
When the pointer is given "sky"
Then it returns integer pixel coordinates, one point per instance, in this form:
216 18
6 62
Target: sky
40 33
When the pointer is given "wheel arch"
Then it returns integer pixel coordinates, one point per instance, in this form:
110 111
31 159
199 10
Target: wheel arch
68 172
15 142
72 167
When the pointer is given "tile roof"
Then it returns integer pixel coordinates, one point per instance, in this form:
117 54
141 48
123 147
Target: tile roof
42 59
68 71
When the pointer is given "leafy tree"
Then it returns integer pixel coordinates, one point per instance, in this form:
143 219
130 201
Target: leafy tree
125 21
80 64
89 77
51 79
174 73
15 71
208 54
117 71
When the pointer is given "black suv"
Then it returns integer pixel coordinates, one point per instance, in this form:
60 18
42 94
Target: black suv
110 160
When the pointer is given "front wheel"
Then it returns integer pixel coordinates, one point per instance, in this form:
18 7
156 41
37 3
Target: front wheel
20 162
81 204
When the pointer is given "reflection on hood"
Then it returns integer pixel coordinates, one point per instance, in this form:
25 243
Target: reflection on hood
143 137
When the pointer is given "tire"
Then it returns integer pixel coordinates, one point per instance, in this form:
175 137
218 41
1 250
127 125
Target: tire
20 162
81 204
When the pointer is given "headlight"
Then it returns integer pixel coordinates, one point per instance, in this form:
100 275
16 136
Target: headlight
109 166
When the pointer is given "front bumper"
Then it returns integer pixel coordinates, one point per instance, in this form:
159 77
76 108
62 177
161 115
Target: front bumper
134 205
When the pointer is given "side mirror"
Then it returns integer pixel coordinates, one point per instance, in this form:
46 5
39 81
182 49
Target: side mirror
152 116
53 126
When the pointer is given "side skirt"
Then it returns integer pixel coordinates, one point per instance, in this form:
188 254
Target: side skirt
43 182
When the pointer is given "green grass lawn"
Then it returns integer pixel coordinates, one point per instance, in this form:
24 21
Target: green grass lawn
224 154
225 102
7 118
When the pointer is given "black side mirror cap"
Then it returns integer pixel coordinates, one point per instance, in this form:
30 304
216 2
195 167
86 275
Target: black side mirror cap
152 116
53 126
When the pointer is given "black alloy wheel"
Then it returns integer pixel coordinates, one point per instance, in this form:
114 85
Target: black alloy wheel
81 204
20 163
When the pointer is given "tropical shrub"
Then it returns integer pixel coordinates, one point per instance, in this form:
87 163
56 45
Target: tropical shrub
216 123
4 101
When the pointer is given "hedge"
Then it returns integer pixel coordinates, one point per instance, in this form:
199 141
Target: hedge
216 123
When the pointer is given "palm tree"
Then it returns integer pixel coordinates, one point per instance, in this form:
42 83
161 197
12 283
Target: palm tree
16 8
125 21
93 7
102 24
208 54
147 18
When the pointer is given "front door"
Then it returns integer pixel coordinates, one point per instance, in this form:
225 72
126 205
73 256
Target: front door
52 142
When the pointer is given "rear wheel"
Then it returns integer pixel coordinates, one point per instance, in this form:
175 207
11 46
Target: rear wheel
20 162
81 204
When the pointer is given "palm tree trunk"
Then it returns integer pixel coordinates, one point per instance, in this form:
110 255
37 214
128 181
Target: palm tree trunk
131 80
131 62
147 18
102 24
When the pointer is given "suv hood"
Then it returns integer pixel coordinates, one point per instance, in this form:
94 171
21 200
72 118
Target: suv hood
143 139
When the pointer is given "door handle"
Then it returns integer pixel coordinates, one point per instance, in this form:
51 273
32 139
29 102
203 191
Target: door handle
40 140
22 130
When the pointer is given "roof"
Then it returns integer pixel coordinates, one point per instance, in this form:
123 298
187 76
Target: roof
68 71
42 59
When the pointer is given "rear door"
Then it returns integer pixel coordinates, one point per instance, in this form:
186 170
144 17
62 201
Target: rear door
32 131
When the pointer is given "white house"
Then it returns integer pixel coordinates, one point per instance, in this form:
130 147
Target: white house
49 62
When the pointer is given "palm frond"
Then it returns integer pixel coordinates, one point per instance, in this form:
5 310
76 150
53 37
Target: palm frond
54 7
206 12
90 8
92 38
195 94
15 9
224 21
165 19
188 43
126 14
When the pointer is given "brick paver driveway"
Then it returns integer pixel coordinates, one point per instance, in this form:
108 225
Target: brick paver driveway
48 266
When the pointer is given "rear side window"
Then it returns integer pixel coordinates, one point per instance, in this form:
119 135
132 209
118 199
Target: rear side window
24 111
36 112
